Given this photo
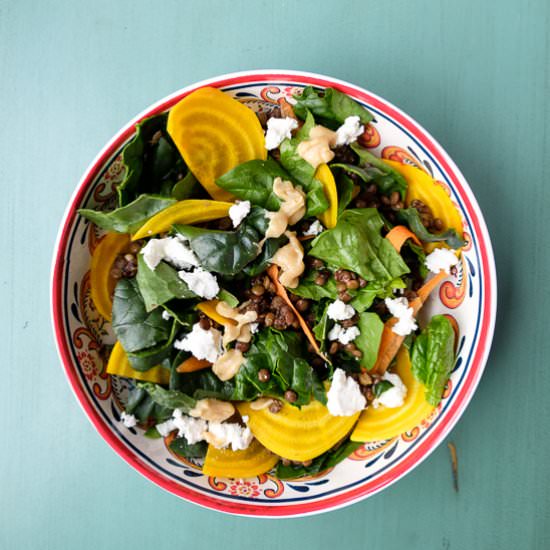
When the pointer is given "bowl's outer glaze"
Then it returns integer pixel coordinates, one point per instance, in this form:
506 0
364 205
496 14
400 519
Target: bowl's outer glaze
81 333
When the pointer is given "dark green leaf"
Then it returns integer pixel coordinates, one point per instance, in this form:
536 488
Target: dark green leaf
152 433
160 285
260 264
182 448
253 181
356 244
227 252
433 357
153 163
345 188
145 359
321 463
185 187
129 218
412 218
385 177
329 106
135 328
144 408
368 341
170 399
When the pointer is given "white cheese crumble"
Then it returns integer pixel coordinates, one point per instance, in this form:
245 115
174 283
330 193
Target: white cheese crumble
399 308
441 259
129 420
239 211
164 428
225 434
393 397
201 282
254 327
191 428
343 335
344 398
314 229
170 249
278 129
349 131
202 344
166 316
340 311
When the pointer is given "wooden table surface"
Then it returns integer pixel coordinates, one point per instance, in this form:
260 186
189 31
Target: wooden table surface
474 73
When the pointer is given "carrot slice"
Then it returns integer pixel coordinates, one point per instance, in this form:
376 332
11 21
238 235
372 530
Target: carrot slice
273 272
390 343
399 234
193 364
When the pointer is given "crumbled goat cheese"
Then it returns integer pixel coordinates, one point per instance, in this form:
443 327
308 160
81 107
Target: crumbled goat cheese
399 308
170 249
202 344
164 428
166 316
277 130
201 282
441 259
340 311
349 131
254 327
225 434
129 420
239 211
191 428
314 229
344 398
393 397
343 335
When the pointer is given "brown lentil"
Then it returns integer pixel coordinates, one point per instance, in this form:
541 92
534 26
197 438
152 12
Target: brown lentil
334 347
204 323
275 406
345 297
362 282
302 305
394 198
264 375
243 347
258 290
365 379
353 284
291 396
268 319
437 224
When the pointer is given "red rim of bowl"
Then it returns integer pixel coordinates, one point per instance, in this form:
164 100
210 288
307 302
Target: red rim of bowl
475 368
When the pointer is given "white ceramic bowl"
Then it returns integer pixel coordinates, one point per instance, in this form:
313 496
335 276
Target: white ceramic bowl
80 332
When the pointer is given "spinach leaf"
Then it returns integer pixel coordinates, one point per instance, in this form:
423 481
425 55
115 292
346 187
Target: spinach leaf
203 383
381 387
368 341
227 252
412 218
364 297
345 186
308 289
356 244
171 399
131 217
353 169
134 326
145 359
260 264
142 406
253 181
329 106
433 357
321 327
179 309
385 177
160 285
153 163
280 353
181 447
321 463
185 187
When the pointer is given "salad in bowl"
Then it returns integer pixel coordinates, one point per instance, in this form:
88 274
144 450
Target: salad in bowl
256 304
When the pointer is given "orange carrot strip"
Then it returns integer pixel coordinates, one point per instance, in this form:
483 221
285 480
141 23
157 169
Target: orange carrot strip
399 234
193 364
273 272
391 342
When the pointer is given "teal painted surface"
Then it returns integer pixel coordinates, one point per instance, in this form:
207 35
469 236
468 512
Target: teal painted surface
476 74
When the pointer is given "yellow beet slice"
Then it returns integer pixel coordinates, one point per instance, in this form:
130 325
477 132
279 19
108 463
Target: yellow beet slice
423 187
184 212
330 216
209 309
120 366
101 282
251 462
214 133
385 423
298 434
